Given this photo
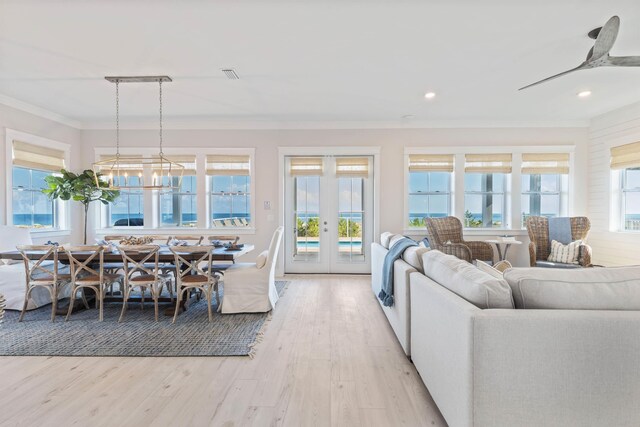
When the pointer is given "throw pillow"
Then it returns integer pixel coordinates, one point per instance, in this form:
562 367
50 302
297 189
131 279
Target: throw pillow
261 261
566 254
395 239
489 269
413 256
385 238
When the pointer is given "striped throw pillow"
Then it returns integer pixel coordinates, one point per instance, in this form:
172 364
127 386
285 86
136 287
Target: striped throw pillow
566 254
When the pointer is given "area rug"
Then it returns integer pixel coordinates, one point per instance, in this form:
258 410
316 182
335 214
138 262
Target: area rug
137 335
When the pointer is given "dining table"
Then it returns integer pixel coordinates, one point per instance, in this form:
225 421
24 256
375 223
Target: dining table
112 259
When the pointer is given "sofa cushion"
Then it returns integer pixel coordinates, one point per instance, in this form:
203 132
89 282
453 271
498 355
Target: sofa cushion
385 238
576 289
413 256
467 281
483 266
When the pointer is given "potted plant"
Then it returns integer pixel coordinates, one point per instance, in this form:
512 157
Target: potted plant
83 188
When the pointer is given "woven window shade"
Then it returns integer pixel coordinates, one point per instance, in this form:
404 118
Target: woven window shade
545 163
36 157
228 165
352 167
130 167
431 163
189 163
625 156
309 166
488 163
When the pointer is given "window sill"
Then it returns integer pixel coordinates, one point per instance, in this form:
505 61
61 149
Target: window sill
49 233
177 231
472 231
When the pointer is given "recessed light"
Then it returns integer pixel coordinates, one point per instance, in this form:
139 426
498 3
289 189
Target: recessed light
584 93
430 95
409 116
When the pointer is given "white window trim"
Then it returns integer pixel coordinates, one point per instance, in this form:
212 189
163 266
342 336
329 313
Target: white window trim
151 216
64 220
512 186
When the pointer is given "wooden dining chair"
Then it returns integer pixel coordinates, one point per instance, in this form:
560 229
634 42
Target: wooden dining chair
142 271
89 273
35 258
195 272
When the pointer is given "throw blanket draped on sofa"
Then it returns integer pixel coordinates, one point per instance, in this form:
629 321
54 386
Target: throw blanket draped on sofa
395 252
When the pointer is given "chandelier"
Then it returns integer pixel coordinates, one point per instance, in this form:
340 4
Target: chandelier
126 172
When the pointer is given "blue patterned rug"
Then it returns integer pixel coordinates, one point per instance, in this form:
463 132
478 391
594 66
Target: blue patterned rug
137 335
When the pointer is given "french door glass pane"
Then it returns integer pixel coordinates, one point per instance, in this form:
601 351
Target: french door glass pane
307 218
350 219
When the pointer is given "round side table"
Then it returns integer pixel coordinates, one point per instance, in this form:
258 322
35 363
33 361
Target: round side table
502 255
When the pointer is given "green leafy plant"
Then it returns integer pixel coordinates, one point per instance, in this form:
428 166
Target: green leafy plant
470 221
80 188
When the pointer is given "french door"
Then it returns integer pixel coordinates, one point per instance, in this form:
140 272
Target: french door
328 214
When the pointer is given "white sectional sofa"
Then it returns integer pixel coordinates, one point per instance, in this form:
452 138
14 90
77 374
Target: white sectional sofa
537 348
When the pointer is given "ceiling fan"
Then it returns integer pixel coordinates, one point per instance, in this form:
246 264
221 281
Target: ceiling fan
598 55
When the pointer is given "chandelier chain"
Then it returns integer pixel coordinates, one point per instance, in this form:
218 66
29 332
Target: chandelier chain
117 119
160 117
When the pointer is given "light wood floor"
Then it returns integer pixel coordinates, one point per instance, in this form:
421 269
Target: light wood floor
328 358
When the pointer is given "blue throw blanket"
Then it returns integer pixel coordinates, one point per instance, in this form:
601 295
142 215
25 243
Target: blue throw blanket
395 252
560 230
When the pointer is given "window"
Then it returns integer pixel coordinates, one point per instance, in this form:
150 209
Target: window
178 207
484 184
229 190
128 208
429 187
544 177
630 180
626 159
32 208
31 164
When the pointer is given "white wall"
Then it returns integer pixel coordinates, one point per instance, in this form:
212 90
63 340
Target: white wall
12 118
391 141
610 247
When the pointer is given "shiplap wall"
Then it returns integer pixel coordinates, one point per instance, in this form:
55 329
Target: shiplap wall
610 246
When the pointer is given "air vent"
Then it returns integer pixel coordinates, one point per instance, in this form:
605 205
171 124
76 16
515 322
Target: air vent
231 74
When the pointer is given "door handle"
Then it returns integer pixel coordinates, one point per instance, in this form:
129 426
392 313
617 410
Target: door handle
326 229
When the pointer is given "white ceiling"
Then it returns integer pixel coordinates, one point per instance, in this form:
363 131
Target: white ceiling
316 62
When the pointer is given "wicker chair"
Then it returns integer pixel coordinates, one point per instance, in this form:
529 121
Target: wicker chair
445 235
540 247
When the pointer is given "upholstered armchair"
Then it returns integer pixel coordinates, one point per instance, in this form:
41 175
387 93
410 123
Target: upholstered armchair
540 246
445 235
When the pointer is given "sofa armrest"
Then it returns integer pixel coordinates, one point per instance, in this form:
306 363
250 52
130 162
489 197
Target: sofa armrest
585 255
556 367
442 345
532 254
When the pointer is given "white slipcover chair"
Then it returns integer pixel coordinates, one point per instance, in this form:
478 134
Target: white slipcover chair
249 289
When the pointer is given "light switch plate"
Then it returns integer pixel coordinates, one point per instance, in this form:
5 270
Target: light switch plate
267 205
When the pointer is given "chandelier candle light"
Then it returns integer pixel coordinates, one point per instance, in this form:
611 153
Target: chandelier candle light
119 171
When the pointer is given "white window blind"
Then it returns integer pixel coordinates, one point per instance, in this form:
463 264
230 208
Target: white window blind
431 163
37 157
545 163
228 165
488 163
352 167
309 166
625 156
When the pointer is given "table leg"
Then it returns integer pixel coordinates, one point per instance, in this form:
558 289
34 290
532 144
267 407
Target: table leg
506 248
500 258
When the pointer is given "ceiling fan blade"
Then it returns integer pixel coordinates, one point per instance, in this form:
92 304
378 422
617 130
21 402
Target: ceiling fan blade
553 77
625 61
606 38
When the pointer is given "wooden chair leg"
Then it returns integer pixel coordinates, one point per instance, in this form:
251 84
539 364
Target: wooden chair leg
177 309
101 292
54 302
84 299
26 303
125 297
208 297
72 301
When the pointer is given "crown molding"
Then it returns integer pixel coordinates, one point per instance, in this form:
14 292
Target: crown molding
39 111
